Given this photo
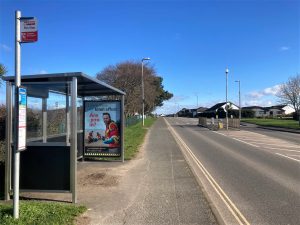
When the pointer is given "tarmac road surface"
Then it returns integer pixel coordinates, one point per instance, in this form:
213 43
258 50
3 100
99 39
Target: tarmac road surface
251 177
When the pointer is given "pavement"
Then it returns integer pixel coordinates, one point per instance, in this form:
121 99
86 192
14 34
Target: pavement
157 187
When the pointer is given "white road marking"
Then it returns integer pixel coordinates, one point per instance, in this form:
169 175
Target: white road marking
278 145
245 142
295 155
287 157
288 150
237 139
230 205
256 140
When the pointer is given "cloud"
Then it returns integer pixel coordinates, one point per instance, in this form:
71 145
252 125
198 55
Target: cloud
284 48
265 92
177 99
265 97
43 72
261 102
5 47
255 94
272 90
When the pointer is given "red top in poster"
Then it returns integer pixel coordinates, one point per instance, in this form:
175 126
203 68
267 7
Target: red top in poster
29 31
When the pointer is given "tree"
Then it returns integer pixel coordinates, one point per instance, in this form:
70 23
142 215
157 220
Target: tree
2 72
127 77
289 93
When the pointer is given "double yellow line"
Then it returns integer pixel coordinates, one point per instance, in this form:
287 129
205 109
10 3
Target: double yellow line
230 205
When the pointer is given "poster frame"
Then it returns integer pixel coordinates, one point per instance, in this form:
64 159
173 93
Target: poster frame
105 155
26 96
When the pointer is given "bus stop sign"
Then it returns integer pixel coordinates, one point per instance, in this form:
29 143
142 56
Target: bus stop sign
29 31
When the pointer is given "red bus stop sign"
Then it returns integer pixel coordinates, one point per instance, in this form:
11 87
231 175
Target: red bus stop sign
29 31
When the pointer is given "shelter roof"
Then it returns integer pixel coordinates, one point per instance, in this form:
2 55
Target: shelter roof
86 85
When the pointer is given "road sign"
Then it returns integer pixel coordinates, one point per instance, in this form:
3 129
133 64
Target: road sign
29 31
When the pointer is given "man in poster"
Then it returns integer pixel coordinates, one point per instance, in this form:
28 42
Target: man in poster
112 136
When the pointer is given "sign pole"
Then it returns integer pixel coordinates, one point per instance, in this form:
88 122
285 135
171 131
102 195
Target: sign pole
16 124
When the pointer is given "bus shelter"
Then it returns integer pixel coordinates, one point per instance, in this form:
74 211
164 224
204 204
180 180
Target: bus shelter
63 125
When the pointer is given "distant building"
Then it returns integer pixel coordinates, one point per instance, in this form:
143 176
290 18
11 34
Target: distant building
271 111
219 110
221 107
258 110
201 110
190 112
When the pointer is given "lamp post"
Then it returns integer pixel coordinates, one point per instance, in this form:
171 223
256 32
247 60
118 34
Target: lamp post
240 110
226 72
143 92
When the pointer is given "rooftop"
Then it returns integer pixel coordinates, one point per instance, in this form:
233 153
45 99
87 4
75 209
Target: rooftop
86 85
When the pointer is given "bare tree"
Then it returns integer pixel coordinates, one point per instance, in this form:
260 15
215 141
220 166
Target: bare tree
2 72
289 93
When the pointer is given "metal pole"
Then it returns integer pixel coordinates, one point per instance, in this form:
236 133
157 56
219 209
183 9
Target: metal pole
240 112
73 148
226 99
16 124
44 109
122 126
8 142
67 127
143 94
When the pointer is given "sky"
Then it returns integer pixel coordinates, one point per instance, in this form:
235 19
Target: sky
190 44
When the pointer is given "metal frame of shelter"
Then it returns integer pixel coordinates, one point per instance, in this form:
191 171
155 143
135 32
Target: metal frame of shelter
75 84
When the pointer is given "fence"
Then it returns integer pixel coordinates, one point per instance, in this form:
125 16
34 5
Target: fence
132 120
216 124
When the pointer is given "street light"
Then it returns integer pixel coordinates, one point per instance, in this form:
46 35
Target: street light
240 110
197 98
143 92
226 72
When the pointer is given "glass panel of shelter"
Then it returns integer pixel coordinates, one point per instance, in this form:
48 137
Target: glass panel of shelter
48 117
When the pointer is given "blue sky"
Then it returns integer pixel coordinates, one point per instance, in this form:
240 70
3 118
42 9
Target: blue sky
190 43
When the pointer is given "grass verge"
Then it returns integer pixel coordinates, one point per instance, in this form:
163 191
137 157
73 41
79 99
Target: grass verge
134 137
284 123
35 212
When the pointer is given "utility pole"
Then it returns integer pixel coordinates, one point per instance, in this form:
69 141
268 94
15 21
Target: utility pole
240 109
143 91
226 107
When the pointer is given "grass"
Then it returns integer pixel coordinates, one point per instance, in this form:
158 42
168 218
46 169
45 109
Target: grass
134 137
35 212
284 123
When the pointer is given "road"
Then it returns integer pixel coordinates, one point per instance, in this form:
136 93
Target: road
293 137
251 177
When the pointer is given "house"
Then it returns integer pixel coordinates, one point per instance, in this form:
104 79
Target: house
272 111
190 112
221 107
258 110
201 110
182 113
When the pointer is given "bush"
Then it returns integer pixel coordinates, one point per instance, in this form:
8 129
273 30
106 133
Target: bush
248 113
296 116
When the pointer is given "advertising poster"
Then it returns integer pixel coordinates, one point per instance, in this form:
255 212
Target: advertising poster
102 121
22 118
